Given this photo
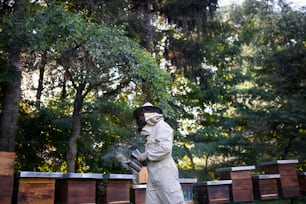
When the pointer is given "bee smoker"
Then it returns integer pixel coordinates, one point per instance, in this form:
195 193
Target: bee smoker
133 162
135 153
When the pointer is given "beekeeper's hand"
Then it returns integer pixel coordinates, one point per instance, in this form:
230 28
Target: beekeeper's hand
142 157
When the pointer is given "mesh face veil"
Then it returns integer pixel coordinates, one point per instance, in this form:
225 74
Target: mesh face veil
139 114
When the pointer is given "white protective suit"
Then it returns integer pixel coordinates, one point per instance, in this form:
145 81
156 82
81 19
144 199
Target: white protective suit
163 186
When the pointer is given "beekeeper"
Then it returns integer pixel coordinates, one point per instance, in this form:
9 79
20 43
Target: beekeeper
163 186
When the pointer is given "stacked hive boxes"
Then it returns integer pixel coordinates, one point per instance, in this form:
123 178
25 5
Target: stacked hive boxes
280 180
288 184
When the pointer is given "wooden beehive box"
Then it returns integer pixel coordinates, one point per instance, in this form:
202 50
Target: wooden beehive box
242 187
6 189
35 187
288 185
212 192
138 194
187 188
76 188
7 160
302 182
114 188
266 186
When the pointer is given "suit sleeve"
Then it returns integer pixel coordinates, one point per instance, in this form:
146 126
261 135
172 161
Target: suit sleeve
161 148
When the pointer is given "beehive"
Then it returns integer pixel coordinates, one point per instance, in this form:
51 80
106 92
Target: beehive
266 186
288 185
212 192
36 187
115 188
138 194
76 188
242 187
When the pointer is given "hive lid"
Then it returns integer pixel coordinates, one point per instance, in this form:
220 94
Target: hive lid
34 174
119 176
266 176
236 168
83 175
139 186
291 161
214 183
188 180
218 182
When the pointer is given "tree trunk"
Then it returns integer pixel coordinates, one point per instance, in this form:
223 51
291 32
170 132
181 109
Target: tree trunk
11 94
10 104
147 13
42 65
287 147
147 18
76 129
64 83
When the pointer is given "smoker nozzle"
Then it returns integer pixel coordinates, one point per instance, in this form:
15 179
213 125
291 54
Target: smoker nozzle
134 164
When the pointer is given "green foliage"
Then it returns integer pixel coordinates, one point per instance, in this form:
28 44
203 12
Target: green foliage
42 138
96 58
44 133
248 105
235 93
146 73
281 77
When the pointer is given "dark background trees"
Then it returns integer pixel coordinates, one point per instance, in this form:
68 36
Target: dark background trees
231 82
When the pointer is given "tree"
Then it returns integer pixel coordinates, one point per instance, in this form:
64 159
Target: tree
246 105
281 76
96 57
11 78
91 64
